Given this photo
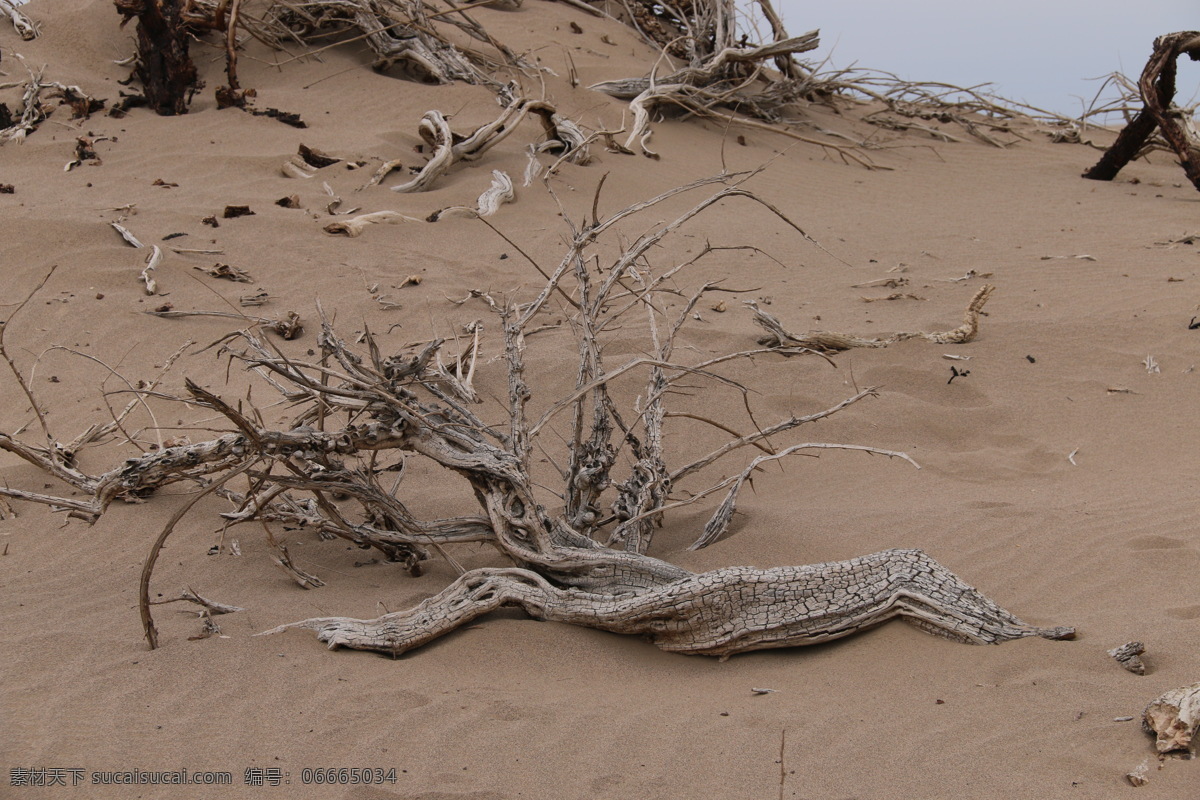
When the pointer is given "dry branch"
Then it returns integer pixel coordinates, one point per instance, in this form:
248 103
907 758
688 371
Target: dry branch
726 75
500 192
832 342
209 606
35 92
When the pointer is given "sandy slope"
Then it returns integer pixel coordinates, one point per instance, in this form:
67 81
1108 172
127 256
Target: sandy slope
515 708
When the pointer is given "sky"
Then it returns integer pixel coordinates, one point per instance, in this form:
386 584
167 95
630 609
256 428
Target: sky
1041 53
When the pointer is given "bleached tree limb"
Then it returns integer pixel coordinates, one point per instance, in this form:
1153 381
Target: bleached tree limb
500 192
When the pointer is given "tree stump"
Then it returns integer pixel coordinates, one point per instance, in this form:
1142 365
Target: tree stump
164 66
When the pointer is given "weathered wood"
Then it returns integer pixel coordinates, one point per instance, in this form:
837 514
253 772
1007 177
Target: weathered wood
33 109
497 194
718 613
164 65
24 25
448 148
1129 656
1173 719
720 71
1157 88
354 226
1128 145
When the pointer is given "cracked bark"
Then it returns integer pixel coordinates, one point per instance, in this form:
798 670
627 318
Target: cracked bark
717 613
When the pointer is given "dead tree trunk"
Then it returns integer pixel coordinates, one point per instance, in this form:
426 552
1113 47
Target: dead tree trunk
717 613
1157 88
164 67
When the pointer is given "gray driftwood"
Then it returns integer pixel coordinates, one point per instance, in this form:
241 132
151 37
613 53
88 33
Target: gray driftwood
715 613
578 555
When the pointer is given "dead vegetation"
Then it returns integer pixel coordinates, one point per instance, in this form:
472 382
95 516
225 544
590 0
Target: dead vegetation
37 94
1156 89
572 538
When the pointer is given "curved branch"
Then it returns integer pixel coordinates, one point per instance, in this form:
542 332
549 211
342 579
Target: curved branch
716 613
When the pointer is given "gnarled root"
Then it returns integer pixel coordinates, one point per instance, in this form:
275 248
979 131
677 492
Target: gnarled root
718 613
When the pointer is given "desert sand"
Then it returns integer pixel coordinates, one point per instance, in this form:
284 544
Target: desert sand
1057 477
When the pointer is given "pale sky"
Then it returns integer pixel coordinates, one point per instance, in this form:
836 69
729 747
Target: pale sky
1039 52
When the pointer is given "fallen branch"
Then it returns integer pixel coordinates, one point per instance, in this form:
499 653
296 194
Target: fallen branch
209 606
288 327
831 342
153 258
448 148
34 110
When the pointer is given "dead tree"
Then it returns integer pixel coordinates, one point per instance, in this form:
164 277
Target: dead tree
1157 88
577 553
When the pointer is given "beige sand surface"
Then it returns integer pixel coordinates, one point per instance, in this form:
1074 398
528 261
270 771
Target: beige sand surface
516 708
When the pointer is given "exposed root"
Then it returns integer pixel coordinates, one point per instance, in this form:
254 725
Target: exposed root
448 148
718 613
24 26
